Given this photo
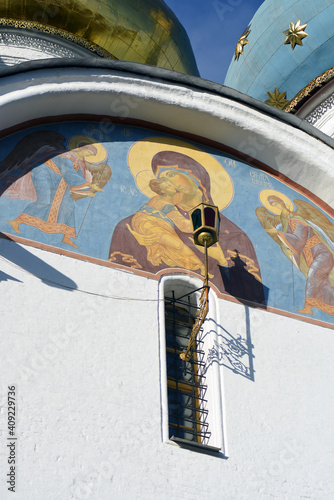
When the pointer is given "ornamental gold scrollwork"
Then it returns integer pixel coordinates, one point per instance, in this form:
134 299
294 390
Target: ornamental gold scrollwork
30 25
316 82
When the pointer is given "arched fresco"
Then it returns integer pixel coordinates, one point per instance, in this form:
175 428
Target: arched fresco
122 195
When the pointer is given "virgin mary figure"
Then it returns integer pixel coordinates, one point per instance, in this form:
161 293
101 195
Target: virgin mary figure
159 235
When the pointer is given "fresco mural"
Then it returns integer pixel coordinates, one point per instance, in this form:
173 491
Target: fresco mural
305 237
159 234
122 195
57 183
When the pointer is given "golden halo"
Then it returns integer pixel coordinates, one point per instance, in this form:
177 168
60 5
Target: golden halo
76 143
140 158
266 193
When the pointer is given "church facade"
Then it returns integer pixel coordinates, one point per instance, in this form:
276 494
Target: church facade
109 138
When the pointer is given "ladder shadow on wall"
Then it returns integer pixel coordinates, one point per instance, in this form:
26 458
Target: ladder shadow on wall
18 257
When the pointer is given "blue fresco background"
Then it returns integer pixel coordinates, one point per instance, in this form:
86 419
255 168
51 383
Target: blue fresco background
97 217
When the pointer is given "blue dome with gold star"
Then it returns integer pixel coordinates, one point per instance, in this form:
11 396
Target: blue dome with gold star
285 53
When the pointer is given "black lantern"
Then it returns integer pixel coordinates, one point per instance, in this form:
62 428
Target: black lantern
205 220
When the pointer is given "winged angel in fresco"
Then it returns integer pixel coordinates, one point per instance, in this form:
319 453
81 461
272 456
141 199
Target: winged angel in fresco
306 238
42 170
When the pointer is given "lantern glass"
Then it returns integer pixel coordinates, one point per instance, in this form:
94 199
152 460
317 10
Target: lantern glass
205 220
196 218
209 216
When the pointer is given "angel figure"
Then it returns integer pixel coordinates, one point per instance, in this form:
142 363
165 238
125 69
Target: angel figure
306 238
42 170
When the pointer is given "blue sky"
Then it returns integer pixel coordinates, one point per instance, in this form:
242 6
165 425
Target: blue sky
214 27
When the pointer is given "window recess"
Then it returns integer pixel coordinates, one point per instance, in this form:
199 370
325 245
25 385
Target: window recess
191 391
186 381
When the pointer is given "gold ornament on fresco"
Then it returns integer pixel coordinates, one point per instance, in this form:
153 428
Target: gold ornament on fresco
295 34
140 159
241 43
277 99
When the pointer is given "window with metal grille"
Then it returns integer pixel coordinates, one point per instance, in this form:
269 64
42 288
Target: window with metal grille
186 381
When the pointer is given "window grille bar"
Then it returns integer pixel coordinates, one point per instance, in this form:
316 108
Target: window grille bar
186 381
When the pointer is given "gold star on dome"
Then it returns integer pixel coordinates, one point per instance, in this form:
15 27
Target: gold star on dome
295 34
277 99
241 43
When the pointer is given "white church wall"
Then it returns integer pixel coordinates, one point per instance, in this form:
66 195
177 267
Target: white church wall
82 397
280 421
86 367
81 343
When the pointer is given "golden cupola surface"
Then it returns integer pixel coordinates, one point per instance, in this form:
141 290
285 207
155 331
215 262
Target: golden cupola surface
144 31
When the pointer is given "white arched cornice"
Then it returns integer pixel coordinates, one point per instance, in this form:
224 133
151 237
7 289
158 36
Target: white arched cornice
286 144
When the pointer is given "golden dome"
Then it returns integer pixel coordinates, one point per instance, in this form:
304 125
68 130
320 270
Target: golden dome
144 31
